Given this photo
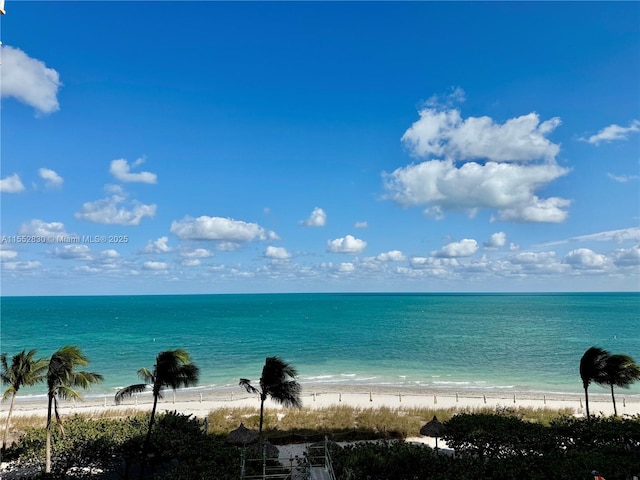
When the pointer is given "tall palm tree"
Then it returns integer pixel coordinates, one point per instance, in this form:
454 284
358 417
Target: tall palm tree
173 369
591 369
62 382
24 371
620 371
278 381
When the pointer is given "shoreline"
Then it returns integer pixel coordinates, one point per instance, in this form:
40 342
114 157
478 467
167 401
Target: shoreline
200 401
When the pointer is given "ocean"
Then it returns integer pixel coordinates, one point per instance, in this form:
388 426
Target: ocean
511 342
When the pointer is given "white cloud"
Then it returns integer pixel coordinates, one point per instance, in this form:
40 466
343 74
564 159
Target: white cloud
318 218
277 253
346 267
191 262
629 257
613 132
109 254
11 184
109 211
155 266
361 225
29 80
391 256
538 210
584 258
121 170
348 244
617 236
496 241
51 177
196 253
157 246
72 252
40 228
506 187
622 178
22 266
445 133
8 255
463 248
482 165
218 228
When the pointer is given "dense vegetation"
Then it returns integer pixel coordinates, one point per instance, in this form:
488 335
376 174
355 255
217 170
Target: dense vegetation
497 445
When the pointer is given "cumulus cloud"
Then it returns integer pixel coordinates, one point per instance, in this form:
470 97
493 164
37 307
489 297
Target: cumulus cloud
348 244
221 229
196 253
157 246
72 252
28 266
121 170
463 248
6 255
318 218
480 164
111 211
613 132
495 241
445 133
627 257
506 187
584 258
155 266
391 256
11 184
51 178
29 80
43 229
276 253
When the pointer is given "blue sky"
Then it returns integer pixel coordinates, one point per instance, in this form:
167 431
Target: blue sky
205 147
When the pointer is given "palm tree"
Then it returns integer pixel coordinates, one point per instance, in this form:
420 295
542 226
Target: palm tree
24 371
620 371
591 369
173 369
62 381
278 381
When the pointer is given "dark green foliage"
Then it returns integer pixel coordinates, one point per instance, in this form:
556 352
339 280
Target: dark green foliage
503 447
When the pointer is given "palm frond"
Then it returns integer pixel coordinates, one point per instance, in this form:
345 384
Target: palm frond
127 392
592 365
146 375
67 393
246 383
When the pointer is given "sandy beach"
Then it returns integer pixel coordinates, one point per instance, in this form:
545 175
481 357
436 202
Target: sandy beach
200 401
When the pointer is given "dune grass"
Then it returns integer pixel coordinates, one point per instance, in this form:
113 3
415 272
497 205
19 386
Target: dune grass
355 422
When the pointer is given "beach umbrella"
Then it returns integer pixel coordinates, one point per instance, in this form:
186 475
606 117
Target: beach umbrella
242 435
432 429
267 448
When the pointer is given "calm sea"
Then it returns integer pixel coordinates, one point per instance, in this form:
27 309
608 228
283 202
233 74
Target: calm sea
519 342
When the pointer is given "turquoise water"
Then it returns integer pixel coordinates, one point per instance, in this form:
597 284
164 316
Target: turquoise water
519 342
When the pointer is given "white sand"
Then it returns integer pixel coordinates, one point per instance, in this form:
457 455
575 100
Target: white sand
199 402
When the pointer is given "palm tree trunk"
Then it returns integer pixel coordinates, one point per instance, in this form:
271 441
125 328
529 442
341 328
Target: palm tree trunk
6 428
586 399
147 440
47 467
615 411
262 399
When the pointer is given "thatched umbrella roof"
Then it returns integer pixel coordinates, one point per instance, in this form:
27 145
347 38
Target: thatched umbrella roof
242 436
268 448
432 428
